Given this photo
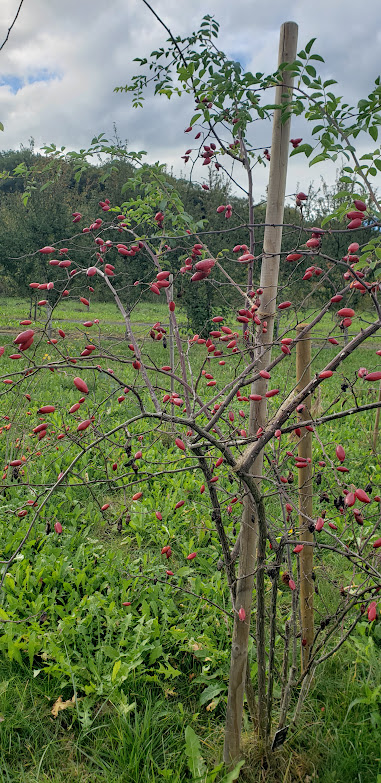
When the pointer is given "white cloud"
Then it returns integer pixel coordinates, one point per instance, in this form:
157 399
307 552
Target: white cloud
85 48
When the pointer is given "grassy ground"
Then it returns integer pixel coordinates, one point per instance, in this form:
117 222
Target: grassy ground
332 743
142 736
72 313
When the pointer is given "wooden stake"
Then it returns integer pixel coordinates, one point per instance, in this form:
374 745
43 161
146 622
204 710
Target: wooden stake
249 524
171 345
303 376
376 425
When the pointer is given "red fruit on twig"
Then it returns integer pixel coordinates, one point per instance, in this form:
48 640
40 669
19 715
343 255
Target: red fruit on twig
362 496
80 385
83 425
372 611
355 223
360 205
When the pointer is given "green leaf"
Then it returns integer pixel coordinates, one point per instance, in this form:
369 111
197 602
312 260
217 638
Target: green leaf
306 148
234 774
193 751
317 57
115 670
318 159
326 220
209 693
310 44
291 66
373 132
1 126
311 70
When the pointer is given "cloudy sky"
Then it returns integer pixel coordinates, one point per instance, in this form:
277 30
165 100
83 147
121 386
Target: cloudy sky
64 57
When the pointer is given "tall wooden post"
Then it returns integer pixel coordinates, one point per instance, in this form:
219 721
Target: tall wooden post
376 425
171 346
258 413
303 376
49 321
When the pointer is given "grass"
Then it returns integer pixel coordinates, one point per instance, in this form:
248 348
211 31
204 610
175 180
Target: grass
140 747
71 314
147 745
102 739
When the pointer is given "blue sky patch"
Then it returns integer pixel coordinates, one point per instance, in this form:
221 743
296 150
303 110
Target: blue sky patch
16 83
42 76
241 58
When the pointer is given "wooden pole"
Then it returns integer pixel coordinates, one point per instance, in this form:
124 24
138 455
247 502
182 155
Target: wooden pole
303 376
171 344
249 523
49 321
376 425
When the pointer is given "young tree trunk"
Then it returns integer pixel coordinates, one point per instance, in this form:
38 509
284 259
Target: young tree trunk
303 376
249 524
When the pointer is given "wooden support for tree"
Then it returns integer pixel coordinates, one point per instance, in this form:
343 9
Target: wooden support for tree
258 413
49 321
303 376
171 344
376 425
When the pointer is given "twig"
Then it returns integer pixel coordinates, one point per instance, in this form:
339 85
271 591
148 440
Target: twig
10 28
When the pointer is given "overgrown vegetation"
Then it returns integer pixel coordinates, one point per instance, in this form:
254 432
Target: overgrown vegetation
140 462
